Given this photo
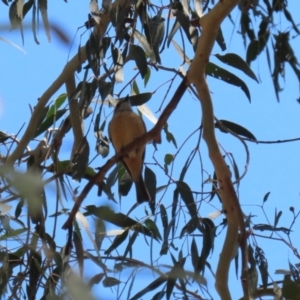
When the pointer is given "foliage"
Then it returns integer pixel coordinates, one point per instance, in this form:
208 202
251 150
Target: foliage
35 261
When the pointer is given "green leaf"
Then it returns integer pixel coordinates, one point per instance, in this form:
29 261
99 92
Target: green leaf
100 230
135 87
3 137
236 128
294 272
277 217
237 62
290 289
80 159
262 265
187 164
57 104
214 187
256 46
208 242
140 59
187 196
113 175
79 251
159 295
12 233
266 196
153 228
50 241
110 281
174 209
181 53
195 255
125 184
34 273
19 208
118 60
222 74
96 279
164 248
170 286
105 88
115 54
220 40
130 244
118 219
150 287
235 169
168 160
164 216
136 100
184 22
194 36
189 227
290 19
143 41
150 181
174 29
104 45
147 76
119 239
49 122
170 137
165 245
267 227
154 30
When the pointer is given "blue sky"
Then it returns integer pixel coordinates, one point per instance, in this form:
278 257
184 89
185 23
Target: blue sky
273 168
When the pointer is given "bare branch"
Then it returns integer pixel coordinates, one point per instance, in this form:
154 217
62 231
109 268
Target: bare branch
210 24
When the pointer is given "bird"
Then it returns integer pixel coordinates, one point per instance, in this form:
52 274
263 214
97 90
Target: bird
124 127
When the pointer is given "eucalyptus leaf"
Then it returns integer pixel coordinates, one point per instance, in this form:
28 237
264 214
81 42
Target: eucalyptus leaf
237 62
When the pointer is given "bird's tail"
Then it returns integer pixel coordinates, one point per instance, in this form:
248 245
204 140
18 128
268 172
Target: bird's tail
142 194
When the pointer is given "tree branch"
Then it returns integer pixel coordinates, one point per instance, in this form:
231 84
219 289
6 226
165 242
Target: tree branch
210 24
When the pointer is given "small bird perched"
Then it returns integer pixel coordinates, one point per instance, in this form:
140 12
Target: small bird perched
123 129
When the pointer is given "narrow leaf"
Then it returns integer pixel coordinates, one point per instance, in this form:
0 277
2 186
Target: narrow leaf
136 100
187 196
80 159
164 216
150 180
277 217
222 74
237 62
236 128
57 104
147 76
110 281
43 9
143 41
79 251
117 242
153 228
266 196
150 287
49 122
140 59
12 233
118 219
